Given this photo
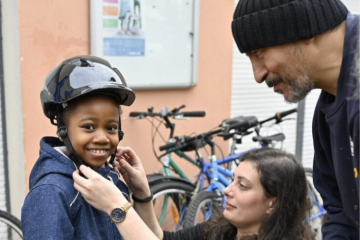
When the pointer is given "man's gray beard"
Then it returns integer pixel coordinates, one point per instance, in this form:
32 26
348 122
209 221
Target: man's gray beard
299 88
300 84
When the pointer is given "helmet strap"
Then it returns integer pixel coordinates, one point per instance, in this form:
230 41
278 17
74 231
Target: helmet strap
62 133
121 133
121 136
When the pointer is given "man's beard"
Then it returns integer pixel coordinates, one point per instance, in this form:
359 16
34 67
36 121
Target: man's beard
298 87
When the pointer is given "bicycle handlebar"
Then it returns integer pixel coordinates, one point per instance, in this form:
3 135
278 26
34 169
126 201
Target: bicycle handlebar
191 114
144 114
173 113
279 116
184 141
167 146
243 124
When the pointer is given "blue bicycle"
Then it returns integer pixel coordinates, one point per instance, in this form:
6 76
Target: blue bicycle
205 203
172 189
214 175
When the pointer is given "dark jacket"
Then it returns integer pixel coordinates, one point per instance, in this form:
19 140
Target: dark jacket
193 233
336 144
53 209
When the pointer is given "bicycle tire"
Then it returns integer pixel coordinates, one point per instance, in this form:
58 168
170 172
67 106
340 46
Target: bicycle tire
170 202
317 222
201 207
10 227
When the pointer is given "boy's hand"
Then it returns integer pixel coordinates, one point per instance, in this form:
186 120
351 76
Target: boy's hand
98 191
130 166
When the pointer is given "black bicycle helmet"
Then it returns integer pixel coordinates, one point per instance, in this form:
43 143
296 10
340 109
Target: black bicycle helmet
78 76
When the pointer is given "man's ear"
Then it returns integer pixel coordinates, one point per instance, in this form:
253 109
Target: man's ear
309 40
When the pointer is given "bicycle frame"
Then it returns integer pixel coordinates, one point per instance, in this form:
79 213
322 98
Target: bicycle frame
321 208
169 162
217 175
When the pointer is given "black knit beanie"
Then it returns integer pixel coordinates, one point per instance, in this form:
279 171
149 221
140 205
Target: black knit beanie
265 23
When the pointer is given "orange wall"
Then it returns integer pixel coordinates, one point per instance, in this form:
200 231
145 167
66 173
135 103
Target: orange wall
52 30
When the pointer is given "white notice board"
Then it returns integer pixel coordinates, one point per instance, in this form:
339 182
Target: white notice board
154 43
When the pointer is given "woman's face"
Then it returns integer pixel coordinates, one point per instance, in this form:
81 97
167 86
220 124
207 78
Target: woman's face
246 204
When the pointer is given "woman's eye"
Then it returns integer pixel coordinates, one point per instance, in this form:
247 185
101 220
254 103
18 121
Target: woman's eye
242 186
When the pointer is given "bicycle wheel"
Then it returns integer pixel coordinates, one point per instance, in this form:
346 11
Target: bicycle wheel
170 203
10 227
316 218
201 207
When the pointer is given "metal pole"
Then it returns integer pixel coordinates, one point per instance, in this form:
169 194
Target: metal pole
300 130
3 118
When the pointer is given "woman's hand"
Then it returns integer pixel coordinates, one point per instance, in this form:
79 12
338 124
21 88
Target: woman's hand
105 196
130 167
99 192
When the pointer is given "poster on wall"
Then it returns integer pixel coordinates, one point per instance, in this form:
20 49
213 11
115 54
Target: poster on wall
153 43
123 33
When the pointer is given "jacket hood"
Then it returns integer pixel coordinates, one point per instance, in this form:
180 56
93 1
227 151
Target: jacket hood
52 161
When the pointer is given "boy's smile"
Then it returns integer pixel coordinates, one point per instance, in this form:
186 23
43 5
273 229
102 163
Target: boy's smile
93 123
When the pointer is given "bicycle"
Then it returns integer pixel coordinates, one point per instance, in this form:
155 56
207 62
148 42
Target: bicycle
205 203
173 194
217 176
169 192
10 227
228 129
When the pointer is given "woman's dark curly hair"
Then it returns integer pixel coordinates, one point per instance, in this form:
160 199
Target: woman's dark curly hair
282 177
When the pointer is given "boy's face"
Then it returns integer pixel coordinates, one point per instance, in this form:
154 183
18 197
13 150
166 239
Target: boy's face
93 124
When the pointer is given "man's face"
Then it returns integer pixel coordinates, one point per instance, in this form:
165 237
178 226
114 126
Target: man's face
285 69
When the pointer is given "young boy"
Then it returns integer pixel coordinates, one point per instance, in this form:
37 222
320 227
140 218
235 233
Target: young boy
82 97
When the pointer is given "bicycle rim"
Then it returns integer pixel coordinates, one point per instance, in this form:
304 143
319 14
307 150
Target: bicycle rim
10 227
170 203
202 207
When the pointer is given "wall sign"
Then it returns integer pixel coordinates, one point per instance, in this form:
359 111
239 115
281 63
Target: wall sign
153 43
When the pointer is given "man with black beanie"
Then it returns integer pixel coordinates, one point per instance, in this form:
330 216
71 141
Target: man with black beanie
296 46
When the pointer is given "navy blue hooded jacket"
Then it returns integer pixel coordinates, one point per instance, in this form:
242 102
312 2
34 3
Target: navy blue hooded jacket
336 144
53 209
